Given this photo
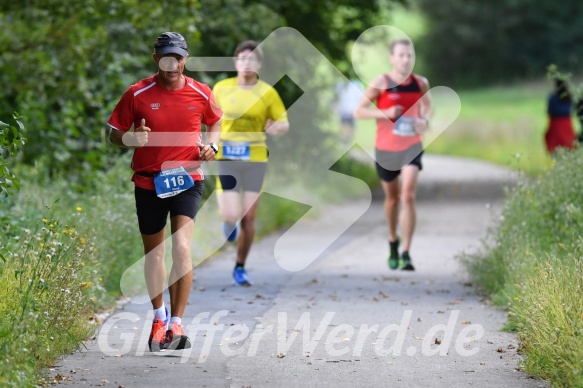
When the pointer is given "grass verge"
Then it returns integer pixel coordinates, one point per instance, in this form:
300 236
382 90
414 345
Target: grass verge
532 263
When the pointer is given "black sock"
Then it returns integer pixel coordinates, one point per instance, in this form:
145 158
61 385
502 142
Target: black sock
237 265
405 255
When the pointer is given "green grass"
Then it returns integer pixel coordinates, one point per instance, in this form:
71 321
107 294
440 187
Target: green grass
532 264
47 288
549 316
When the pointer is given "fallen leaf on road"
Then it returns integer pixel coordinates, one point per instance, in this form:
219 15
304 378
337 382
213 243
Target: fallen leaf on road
437 341
500 350
465 322
280 355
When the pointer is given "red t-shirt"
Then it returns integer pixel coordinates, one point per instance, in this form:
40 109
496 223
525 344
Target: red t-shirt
174 117
408 95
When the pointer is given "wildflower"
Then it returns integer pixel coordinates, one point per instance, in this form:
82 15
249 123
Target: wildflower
78 208
85 285
45 220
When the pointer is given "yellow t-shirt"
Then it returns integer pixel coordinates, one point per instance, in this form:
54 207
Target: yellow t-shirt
245 112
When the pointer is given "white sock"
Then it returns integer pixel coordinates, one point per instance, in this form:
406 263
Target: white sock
175 319
160 313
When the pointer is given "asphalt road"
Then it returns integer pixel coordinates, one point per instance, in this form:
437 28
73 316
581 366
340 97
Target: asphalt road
344 321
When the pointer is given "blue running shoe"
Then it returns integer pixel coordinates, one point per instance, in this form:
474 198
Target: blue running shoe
240 277
231 231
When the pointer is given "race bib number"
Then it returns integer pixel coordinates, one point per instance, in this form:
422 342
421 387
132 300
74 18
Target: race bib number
405 126
171 182
236 150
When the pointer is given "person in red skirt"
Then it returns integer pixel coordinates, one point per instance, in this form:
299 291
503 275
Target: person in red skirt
560 132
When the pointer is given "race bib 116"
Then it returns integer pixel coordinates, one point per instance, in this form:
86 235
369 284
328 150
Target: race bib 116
171 182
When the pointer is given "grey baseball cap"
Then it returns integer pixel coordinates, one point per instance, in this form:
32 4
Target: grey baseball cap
171 43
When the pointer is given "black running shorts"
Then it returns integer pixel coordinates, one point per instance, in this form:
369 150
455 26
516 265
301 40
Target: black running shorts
153 211
389 164
242 175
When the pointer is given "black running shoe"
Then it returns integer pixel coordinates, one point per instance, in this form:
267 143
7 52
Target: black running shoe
406 264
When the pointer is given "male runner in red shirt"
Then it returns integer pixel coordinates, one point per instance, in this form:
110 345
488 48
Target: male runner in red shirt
402 112
166 111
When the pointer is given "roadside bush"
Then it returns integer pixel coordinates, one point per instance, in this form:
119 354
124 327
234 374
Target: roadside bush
532 263
46 298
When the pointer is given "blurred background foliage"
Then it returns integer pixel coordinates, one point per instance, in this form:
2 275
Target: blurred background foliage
66 63
477 43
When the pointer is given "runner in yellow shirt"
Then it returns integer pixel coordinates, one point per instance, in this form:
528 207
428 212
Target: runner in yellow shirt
252 110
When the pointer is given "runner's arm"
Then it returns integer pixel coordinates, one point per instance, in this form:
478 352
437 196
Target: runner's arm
363 109
127 139
213 132
276 128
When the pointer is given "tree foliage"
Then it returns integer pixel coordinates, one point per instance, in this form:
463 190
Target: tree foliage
11 141
65 64
479 42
